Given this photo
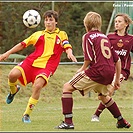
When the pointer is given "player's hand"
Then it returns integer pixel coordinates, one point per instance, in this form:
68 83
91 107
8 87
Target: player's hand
4 56
117 84
70 55
80 70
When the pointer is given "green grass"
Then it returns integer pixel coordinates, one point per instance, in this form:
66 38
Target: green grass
47 114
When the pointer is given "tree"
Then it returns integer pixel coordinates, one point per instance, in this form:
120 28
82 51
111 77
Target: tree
71 15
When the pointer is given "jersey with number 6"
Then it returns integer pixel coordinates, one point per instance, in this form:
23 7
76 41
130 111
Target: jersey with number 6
98 50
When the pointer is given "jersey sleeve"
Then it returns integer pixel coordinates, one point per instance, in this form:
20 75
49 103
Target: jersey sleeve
64 38
87 50
31 40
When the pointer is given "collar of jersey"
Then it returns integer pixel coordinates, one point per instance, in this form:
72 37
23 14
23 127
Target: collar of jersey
55 31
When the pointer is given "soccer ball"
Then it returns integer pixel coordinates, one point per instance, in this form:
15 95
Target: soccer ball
31 18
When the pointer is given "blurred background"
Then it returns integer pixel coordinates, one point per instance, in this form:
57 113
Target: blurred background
71 15
47 114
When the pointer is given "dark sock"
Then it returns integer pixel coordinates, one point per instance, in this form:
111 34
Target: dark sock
67 104
113 108
100 109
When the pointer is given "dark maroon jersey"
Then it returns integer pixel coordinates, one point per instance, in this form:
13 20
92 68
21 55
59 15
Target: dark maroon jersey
98 50
123 45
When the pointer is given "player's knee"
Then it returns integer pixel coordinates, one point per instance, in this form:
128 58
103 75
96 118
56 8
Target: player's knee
99 97
65 85
37 86
12 75
111 93
67 88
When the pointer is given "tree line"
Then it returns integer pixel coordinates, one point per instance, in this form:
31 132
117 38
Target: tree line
71 15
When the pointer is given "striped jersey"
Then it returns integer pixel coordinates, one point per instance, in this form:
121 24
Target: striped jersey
98 50
48 48
123 45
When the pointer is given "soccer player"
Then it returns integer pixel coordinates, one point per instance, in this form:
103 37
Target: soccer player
41 64
96 73
123 45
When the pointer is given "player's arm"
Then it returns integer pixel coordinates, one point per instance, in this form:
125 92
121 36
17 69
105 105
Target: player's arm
70 55
117 62
84 66
15 49
87 58
118 72
132 50
67 46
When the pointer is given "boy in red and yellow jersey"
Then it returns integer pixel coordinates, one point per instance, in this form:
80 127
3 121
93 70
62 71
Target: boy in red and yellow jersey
41 64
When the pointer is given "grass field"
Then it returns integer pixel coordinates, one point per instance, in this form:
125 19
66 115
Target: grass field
48 114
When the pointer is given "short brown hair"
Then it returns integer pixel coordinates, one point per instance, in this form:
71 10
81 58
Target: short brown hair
127 19
93 20
51 13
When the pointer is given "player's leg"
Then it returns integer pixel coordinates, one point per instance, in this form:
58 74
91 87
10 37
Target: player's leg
79 82
101 106
114 110
12 82
67 105
33 100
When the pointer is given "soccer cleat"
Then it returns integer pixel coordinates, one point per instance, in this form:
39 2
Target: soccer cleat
26 119
125 124
10 96
64 125
95 118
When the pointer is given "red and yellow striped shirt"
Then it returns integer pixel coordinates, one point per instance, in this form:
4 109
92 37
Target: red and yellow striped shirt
48 48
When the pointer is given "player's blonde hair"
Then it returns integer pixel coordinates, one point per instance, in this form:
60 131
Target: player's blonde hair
92 20
127 19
